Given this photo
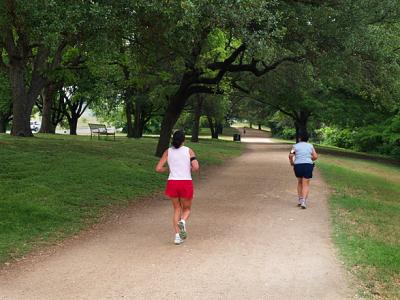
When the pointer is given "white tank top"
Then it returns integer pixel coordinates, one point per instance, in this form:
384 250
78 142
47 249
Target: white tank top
179 163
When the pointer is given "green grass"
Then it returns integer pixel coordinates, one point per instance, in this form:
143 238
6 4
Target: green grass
52 186
365 207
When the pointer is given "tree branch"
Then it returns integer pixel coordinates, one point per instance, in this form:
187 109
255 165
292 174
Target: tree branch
58 54
222 67
248 94
253 66
201 89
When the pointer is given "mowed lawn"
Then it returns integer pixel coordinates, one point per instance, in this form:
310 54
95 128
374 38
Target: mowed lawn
365 206
52 186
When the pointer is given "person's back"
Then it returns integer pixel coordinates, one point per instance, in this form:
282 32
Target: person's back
179 163
303 153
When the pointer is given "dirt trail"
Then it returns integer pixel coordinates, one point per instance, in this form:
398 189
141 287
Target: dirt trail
247 240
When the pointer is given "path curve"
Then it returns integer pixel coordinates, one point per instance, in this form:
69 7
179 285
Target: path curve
247 240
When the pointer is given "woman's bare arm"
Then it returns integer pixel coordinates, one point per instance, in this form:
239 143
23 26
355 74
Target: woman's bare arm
314 155
291 157
193 161
160 168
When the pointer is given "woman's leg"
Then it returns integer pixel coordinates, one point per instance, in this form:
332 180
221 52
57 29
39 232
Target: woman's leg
306 188
177 213
186 208
300 187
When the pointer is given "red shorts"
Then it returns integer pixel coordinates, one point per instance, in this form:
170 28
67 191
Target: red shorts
179 189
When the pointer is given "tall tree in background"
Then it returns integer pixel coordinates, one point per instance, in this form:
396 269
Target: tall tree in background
198 106
34 35
243 27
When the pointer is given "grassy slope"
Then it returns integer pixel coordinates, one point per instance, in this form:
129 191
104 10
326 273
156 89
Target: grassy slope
365 207
53 186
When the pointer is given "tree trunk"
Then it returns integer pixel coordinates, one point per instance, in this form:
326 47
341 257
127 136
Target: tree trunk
21 117
47 125
142 124
214 131
128 112
58 112
5 119
22 103
137 120
301 124
197 116
296 126
3 123
25 89
259 126
175 106
219 127
167 126
73 125
51 128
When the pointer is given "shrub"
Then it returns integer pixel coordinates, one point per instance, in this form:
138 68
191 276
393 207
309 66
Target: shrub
288 133
343 138
368 139
378 138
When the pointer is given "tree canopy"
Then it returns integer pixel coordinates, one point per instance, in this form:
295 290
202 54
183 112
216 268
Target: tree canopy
143 62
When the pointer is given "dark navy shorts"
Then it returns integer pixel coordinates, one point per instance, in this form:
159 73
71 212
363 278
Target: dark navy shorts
303 170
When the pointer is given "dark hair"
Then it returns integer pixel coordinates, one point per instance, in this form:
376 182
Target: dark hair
303 136
178 138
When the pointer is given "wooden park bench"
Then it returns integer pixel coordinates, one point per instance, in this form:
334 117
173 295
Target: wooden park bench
100 129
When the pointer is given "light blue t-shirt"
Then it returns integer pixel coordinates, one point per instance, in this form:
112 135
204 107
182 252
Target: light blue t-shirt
303 153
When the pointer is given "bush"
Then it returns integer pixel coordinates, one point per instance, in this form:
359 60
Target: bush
379 138
368 139
288 133
343 138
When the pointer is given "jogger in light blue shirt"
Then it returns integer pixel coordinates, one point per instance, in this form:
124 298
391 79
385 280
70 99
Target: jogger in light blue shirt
303 153
302 157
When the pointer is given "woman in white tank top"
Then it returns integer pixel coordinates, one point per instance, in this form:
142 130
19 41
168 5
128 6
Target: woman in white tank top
181 162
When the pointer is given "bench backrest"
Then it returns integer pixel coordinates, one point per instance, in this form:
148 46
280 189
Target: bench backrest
97 127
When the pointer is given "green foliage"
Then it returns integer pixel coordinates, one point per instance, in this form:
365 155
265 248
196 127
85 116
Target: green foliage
281 126
380 138
343 138
384 139
5 93
185 122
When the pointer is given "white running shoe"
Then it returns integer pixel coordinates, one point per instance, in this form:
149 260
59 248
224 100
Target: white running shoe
178 239
303 204
299 201
182 229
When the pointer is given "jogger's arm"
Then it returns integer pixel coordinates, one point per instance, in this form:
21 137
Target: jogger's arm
193 161
160 168
291 156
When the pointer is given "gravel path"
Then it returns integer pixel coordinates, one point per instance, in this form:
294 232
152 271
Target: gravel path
247 240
